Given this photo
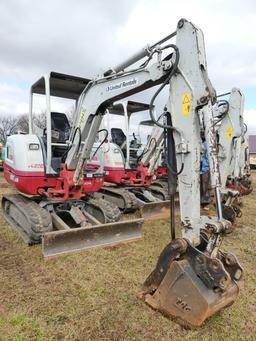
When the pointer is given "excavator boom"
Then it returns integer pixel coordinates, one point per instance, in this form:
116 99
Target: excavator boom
193 279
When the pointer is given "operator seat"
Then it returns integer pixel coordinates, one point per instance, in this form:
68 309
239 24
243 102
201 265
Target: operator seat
119 138
60 134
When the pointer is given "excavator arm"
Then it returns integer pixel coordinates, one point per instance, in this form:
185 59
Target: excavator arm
230 132
193 279
98 96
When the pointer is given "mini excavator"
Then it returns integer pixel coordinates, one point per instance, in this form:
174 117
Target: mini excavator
130 168
233 152
49 206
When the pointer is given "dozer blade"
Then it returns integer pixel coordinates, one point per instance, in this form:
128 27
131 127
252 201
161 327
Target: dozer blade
155 210
189 286
106 235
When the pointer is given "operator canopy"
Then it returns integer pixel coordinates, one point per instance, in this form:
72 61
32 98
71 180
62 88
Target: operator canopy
61 85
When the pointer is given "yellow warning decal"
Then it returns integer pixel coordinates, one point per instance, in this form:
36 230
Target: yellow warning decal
81 118
229 132
186 103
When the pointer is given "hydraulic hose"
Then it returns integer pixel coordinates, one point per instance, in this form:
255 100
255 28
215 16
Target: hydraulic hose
147 149
155 146
64 156
223 115
101 143
172 176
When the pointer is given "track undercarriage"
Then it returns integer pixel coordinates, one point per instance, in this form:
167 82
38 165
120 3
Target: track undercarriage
68 226
242 185
152 201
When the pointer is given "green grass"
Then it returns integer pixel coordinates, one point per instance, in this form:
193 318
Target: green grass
92 295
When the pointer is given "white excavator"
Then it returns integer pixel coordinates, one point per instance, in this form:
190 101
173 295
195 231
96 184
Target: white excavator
193 278
130 167
244 162
231 132
48 200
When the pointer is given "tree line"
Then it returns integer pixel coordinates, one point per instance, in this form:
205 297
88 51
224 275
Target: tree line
14 124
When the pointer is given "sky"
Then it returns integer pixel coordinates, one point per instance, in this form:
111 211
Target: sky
84 38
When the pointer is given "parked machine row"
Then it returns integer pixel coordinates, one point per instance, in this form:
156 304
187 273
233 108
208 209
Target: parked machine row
74 180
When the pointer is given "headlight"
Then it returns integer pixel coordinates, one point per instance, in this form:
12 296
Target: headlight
33 146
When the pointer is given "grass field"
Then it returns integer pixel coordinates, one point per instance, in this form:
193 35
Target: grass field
92 295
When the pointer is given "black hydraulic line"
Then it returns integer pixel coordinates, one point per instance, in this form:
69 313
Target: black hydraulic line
64 156
246 128
172 176
173 34
170 168
172 72
101 143
147 149
223 115
151 104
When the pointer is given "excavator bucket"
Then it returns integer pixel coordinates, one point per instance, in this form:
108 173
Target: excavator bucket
189 286
106 235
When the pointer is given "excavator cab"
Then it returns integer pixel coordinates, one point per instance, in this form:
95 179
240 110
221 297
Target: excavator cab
60 133
130 167
128 142
61 126
118 137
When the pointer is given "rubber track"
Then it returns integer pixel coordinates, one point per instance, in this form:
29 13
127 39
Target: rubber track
158 189
129 198
130 201
38 220
111 212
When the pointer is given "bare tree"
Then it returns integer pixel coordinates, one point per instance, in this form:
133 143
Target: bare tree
8 125
22 124
40 120
13 124
70 115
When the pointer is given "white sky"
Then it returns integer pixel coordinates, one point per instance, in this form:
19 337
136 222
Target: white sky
86 37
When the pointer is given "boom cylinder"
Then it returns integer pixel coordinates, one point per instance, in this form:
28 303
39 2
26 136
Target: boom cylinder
131 60
144 52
